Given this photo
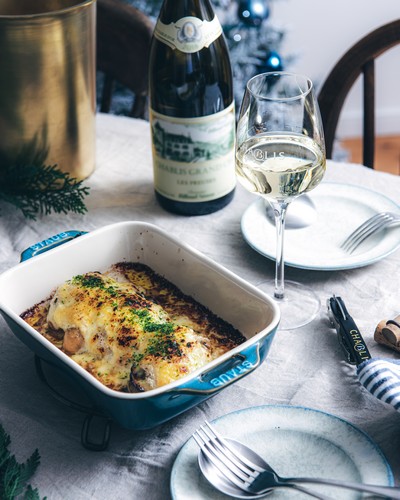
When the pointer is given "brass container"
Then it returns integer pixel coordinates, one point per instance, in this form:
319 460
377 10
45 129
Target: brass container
47 83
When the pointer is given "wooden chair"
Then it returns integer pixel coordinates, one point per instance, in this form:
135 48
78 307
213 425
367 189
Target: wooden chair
359 59
123 45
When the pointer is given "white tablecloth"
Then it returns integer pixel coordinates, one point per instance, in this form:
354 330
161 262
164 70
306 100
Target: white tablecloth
305 367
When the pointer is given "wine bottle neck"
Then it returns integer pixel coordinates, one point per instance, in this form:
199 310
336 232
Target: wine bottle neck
173 10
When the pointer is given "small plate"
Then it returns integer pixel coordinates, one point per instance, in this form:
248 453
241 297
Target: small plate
294 441
341 208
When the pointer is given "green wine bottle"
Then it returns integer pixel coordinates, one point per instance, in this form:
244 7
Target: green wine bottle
192 114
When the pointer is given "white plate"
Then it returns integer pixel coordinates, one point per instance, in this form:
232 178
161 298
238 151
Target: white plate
294 441
340 209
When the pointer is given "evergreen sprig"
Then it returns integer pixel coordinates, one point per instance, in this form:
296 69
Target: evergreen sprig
39 189
14 476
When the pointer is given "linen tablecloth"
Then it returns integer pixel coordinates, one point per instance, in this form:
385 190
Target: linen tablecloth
305 367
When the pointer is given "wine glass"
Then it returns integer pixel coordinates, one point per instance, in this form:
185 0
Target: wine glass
280 155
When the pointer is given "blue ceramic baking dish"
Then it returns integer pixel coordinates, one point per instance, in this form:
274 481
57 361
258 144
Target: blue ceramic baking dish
236 301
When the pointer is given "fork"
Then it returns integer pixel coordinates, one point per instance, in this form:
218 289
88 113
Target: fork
368 228
236 466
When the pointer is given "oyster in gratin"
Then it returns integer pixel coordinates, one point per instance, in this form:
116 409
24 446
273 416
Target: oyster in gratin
130 328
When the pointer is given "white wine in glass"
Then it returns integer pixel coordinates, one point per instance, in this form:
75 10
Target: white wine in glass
280 155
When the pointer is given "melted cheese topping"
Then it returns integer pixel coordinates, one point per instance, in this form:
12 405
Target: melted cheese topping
130 328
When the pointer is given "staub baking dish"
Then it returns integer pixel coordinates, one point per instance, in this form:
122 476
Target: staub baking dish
236 301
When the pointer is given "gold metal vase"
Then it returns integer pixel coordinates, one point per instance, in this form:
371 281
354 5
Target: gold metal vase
47 83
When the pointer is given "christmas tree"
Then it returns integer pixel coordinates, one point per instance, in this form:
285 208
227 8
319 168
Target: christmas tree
253 40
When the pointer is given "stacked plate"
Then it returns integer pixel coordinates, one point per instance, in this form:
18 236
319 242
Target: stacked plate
340 208
295 441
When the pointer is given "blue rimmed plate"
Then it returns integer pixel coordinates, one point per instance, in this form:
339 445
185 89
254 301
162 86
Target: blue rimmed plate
340 209
294 441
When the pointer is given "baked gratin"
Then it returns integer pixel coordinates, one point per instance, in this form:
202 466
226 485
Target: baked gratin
130 328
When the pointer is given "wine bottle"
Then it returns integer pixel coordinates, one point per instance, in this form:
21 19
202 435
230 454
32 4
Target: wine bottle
192 114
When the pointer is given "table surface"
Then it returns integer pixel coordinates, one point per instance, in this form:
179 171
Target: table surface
305 367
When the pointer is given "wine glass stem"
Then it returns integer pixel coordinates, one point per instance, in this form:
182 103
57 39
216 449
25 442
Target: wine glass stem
280 208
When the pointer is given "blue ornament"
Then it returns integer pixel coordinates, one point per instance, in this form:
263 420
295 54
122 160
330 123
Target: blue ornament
273 62
253 12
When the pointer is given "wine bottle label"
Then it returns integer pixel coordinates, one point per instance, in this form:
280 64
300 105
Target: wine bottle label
194 158
189 34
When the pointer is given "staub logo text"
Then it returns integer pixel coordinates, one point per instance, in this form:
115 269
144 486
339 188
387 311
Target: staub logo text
231 374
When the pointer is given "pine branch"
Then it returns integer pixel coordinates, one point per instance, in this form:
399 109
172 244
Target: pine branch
4 444
38 189
31 494
13 475
24 472
11 478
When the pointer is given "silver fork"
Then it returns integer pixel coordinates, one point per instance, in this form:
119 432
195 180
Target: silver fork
237 464
235 467
368 228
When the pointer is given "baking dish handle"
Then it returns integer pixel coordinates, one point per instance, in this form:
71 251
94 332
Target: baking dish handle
225 373
91 413
49 243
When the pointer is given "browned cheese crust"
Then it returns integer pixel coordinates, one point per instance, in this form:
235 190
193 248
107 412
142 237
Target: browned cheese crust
130 328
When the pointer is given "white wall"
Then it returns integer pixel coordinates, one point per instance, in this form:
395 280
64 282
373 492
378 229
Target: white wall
318 33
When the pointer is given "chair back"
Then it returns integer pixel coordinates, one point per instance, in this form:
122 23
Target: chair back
359 59
123 48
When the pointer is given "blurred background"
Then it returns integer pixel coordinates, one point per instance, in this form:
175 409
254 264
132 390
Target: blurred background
310 36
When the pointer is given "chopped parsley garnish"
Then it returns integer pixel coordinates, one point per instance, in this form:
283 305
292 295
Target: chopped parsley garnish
163 346
165 328
141 313
136 358
149 325
92 281
111 291
163 342
88 281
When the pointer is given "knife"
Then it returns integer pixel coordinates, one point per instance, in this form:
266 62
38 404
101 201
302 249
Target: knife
349 335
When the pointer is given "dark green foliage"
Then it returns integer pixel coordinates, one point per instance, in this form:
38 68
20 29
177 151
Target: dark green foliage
38 189
15 476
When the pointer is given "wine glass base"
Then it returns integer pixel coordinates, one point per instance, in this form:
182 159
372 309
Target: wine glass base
299 306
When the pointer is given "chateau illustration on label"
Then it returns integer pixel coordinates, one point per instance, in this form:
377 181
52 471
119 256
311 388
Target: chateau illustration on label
191 144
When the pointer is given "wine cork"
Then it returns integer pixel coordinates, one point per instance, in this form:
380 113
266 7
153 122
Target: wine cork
387 333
